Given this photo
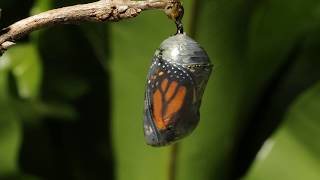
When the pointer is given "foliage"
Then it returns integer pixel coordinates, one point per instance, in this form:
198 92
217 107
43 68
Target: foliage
71 97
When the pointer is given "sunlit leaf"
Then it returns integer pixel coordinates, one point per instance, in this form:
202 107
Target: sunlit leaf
293 152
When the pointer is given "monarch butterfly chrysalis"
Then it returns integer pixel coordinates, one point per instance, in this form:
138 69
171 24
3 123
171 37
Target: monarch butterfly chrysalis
175 84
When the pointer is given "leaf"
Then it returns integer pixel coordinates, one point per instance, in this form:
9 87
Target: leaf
10 138
40 6
10 130
26 69
295 142
33 112
293 152
303 120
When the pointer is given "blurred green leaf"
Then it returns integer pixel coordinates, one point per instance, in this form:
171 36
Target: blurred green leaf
10 130
26 68
10 138
35 111
40 6
298 73
293 152
304 121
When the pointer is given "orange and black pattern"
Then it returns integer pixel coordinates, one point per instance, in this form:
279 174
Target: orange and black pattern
169 85
173 97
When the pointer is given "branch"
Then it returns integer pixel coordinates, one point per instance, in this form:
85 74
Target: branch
103 10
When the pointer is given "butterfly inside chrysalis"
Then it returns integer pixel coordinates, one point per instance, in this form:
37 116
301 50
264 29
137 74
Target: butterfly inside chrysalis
175 84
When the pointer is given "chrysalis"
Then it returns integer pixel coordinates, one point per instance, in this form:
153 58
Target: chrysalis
175 84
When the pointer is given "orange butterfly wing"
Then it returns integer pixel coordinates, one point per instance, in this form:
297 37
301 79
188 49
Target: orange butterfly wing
166 102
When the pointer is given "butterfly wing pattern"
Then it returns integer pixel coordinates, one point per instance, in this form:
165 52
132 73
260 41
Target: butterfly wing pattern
175 84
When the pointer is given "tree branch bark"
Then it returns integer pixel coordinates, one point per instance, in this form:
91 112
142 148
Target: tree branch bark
103 10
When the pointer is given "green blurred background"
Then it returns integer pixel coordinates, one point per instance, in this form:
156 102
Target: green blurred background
71 97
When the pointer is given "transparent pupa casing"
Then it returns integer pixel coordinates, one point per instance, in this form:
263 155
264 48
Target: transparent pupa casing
176 81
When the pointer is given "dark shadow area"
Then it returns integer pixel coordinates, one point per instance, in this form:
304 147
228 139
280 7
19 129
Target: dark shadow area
78 147
14 10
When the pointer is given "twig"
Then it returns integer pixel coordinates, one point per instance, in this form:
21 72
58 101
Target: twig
103 10
173 166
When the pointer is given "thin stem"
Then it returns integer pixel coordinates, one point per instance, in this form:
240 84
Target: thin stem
173 161
194 18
